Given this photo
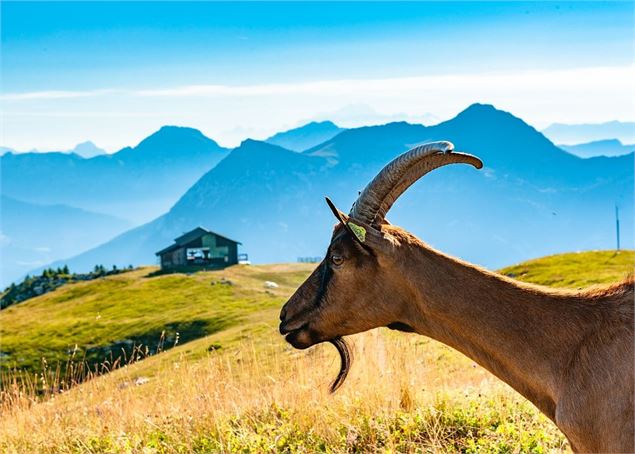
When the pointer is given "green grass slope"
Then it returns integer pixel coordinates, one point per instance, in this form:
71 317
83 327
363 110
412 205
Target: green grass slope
103 319
576 269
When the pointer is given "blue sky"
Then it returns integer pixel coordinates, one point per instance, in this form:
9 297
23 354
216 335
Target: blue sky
114 72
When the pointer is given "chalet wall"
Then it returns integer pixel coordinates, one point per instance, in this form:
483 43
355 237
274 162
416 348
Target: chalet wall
221 252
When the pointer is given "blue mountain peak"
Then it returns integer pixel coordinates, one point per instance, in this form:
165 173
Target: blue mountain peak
478 109
487 116
175 137
169 131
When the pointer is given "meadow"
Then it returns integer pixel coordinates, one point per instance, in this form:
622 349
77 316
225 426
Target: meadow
219 378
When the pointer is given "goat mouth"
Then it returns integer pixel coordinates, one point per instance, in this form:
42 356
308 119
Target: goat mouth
299 337
285 330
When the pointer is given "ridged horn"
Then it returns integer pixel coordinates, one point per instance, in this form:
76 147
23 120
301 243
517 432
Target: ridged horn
400 173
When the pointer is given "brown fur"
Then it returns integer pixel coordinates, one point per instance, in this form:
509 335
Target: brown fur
571 353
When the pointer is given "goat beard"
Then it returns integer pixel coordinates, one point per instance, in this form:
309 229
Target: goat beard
345 362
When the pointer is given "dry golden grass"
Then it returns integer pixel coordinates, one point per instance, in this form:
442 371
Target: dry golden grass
405 393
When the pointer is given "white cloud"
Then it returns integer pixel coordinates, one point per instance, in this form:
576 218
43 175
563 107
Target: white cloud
54 94
83 114
230 113
596 79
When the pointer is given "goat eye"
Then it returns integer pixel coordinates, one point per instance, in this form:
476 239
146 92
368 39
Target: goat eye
337 260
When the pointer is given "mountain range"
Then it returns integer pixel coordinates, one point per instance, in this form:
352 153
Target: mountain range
305 137
572 134
34 235
531 198
135 184
85 149
608 147
58 204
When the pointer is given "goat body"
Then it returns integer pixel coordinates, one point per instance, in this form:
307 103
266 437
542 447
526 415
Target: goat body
571 353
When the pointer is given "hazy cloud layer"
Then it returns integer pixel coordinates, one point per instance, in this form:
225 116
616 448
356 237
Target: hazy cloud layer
114 118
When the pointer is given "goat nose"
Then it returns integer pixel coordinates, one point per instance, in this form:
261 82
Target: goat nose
283 328
283 313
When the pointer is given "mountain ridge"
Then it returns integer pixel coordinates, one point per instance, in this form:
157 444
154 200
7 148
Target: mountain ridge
573 134
36 234
606 147
135 183
532 198
305 136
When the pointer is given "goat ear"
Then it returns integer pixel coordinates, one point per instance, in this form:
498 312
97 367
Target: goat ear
338 214
367 237
357 232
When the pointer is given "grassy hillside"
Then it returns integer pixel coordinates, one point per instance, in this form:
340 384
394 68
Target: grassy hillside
101 319
576 269
243 389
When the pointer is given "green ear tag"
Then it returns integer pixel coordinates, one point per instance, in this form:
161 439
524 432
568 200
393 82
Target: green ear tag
359 231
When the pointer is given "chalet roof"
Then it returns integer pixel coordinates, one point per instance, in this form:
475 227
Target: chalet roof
191 236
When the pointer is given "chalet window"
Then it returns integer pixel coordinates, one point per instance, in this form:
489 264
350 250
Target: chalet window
220 252
197 253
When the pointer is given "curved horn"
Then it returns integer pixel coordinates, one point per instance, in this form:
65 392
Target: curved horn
399 174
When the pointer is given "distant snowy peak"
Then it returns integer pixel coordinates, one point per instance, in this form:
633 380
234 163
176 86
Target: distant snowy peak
87 150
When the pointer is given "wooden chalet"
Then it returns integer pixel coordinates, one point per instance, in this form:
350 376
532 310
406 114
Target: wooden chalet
199 248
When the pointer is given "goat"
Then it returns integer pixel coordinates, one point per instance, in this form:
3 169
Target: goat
570 353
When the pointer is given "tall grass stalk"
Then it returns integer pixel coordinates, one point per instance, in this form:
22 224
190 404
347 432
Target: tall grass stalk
404 394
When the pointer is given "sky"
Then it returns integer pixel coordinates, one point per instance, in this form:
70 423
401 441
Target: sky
115 72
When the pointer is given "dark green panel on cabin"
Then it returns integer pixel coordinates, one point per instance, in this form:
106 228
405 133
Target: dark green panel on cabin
208 241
